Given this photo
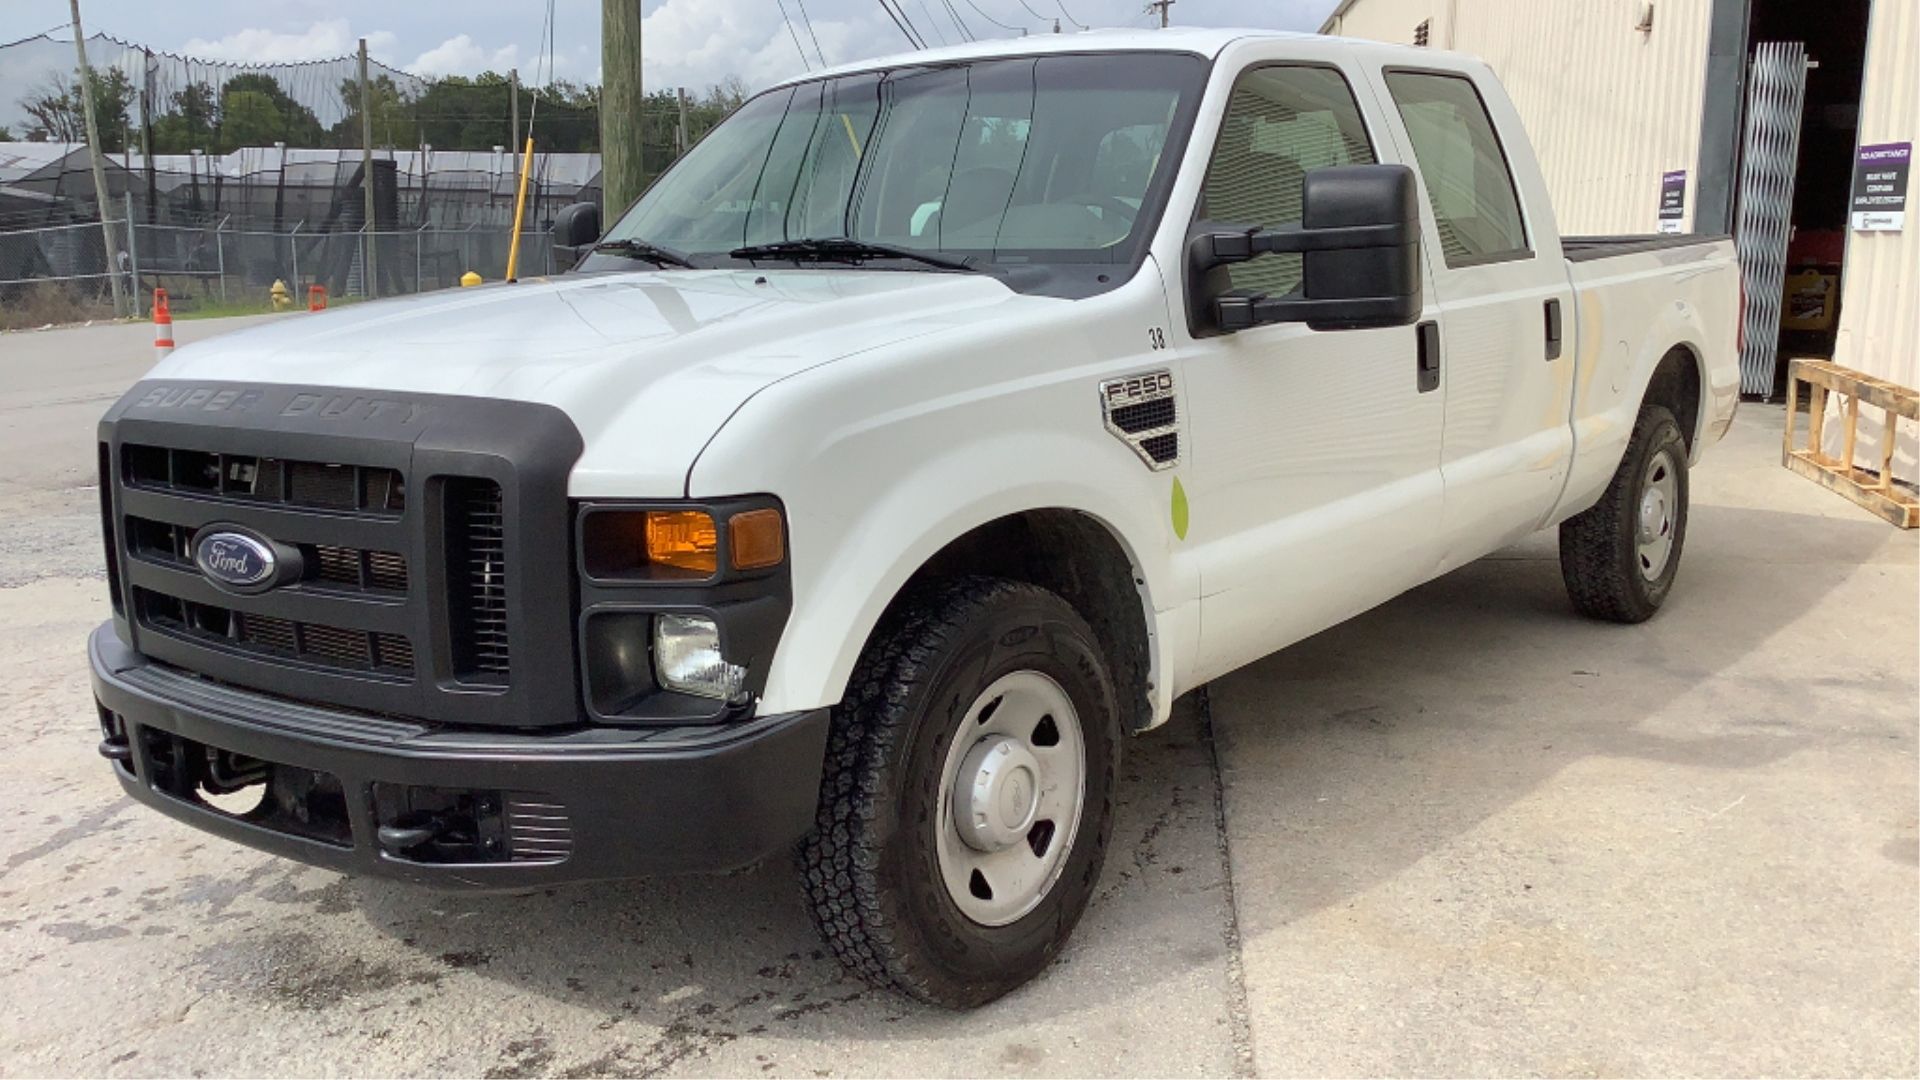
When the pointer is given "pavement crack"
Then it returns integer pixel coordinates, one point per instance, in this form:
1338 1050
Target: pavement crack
1238 1013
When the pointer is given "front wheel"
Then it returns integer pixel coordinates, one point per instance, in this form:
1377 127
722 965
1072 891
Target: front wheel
1619 557
968 793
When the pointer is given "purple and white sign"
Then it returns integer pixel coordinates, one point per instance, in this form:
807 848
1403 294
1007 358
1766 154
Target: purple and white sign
1880 187
1673 200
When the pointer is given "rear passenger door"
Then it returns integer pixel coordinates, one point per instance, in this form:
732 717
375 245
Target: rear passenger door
1314 479
1504 308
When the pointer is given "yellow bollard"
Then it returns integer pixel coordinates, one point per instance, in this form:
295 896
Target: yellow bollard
469 279
282 298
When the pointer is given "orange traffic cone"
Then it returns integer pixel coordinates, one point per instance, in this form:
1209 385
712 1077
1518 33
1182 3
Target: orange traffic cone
162 325
316 298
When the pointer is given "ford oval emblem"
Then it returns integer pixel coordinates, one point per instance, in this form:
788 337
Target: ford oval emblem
235 560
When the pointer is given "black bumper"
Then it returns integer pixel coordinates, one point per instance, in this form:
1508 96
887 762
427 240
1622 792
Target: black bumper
503 810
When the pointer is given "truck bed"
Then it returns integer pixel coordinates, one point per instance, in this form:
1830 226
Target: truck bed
1589 248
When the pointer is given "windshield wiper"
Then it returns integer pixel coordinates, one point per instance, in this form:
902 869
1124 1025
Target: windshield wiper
845 249
641 249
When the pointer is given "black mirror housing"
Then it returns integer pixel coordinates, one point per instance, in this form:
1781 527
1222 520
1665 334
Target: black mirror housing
1359 243
576 228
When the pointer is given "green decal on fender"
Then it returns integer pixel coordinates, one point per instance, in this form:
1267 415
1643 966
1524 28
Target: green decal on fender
1179 509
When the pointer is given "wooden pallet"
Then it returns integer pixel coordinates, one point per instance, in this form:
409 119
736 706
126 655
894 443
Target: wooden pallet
1879 492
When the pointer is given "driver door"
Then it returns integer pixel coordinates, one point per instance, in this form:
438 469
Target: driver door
1315 473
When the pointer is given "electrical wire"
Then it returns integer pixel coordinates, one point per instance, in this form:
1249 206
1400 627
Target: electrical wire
804 17
931 21
965 30
804 62
1069 15
994 21
899 17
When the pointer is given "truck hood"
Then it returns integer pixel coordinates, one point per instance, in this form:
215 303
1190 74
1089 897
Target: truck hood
671 353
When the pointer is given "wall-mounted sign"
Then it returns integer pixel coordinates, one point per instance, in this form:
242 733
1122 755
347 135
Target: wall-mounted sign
1673 200
1880 187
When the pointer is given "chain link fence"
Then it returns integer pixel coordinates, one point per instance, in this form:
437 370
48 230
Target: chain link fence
204 266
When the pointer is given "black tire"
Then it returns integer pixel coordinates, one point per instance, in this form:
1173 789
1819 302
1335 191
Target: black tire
871 868
1600 556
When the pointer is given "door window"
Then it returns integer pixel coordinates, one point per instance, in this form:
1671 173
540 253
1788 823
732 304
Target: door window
1280 122
1475 206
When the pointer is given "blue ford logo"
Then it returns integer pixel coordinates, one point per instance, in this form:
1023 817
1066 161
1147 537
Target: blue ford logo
236 560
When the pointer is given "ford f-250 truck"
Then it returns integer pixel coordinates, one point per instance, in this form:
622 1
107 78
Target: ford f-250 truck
922 433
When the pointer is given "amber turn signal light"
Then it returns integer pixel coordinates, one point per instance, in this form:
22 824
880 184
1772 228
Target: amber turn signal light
683 539
757 539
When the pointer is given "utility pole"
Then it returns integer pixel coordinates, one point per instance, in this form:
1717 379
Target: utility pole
681 94
513 135
369 272
622 101
1161 6
146 131
99 170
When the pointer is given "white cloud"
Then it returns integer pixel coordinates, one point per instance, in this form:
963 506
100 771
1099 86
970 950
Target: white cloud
461 55
258 45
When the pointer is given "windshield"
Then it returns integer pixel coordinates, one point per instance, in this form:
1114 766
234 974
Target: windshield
1054 159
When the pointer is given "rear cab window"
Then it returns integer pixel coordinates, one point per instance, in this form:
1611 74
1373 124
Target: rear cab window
1476 206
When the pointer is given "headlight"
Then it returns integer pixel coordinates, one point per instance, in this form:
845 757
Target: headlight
686 657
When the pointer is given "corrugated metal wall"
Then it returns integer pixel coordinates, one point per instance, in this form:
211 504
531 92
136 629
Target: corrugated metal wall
1608 107
1880 296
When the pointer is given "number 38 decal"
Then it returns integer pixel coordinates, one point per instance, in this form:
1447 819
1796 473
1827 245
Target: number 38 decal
1156 338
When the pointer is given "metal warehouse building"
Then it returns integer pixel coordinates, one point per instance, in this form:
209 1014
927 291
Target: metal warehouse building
1788 123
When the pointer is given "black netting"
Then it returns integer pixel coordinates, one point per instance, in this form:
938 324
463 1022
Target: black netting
237 175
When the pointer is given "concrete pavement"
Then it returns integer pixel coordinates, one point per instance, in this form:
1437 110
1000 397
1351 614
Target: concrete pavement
1466 833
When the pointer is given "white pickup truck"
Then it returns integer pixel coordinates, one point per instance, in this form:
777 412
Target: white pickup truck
922 433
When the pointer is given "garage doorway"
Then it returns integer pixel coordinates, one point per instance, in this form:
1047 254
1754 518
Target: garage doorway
1795 178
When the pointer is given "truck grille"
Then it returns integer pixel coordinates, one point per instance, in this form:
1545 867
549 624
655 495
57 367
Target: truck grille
328 565
477 580
271 636
314 485
434 534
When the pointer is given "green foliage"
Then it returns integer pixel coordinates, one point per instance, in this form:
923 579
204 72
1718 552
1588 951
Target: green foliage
452 113
56 111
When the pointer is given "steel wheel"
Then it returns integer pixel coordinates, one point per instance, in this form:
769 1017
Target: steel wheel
1659 505
1012 793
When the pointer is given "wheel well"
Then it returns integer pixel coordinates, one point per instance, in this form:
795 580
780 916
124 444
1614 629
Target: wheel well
1676 384
1075 556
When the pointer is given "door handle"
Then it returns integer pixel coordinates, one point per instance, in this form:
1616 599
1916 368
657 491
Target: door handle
1553 329
1429 355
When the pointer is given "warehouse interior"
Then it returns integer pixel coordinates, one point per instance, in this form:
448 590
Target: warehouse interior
1835 35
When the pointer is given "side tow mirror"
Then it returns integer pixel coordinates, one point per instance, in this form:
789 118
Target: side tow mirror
1359 243
575 229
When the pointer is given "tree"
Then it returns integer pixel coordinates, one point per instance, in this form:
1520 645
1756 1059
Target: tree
256 111
189 124
393 119
56 113
6 135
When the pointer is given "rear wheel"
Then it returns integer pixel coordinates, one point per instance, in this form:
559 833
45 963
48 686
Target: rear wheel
1619 557
968 793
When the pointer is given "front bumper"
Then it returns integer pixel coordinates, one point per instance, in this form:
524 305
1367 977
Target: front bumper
485 809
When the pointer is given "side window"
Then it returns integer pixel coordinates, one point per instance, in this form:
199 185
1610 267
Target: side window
1280 122
1475 206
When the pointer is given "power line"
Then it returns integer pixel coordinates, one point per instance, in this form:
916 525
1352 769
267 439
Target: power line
903 24
804 62
804 17
931 21
1044 19
965 30
1016 29
1069 15
913 32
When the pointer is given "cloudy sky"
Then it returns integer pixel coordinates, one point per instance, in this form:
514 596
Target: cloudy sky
686 42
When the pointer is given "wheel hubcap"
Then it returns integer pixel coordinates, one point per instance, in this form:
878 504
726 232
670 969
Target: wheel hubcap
997 795
1011 794
1659 506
